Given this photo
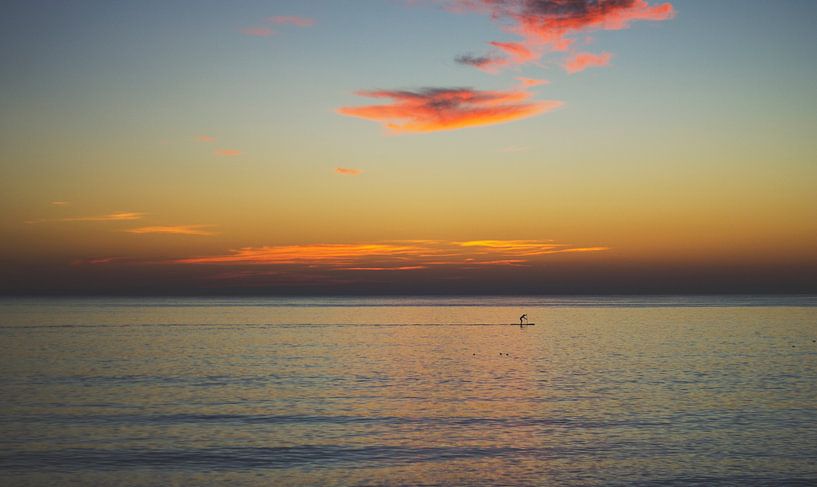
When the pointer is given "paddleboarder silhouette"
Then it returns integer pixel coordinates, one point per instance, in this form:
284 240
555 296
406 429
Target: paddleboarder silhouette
524 317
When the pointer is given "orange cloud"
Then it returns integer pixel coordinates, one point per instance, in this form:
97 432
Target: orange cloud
228 152
434 109
551 24
348 171
344 254
515 53
531 82
584 60
198 230
292 20
396 255
401 268
103 261
519 53
524 248
59 203
205 138
112 217
551 21
258 31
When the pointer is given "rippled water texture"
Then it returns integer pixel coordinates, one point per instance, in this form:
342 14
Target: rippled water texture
407 391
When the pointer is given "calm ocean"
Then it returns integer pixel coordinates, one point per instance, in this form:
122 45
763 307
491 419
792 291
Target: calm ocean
409 391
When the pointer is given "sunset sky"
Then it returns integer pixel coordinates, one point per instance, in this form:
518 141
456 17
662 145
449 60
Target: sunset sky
408 146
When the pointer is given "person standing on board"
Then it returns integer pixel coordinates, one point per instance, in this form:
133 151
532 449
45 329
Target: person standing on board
523 317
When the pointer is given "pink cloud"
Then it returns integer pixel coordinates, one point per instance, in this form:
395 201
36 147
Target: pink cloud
435 109
583 60
228 152
205 138
292 20
518 52
348 171
550 21
531 82
551 24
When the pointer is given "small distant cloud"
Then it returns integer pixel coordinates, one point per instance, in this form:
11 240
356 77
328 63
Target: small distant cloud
486 63
512 53
59 203
292 20
100 261
583 60
434 109
265 31
519 53
198 230
258 31
112 217
531 82
348 171
228 152
205 138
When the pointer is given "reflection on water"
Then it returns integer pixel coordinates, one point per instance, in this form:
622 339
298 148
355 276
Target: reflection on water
321 392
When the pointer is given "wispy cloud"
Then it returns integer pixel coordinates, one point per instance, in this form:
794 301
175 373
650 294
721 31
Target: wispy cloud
517 52
119 216
512 53
258 31
59 203
434 109
400 268
292 20
523 248
104 261
531 82
228 152
205 138
348 171
583 60
196 230
395 255
489 64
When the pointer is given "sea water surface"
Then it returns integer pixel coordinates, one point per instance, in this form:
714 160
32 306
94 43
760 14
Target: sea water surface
409 391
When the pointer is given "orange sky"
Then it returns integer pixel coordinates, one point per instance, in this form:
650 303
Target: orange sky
447 146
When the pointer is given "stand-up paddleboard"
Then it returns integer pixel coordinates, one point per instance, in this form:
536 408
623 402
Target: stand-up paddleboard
523 324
